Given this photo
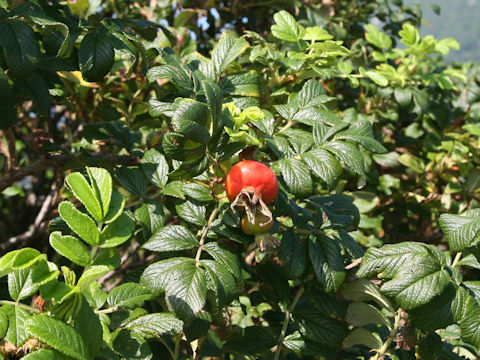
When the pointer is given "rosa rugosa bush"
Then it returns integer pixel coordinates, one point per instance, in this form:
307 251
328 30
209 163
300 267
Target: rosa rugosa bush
235 180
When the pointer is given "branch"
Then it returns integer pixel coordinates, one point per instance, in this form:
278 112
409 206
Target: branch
40 224
12 152
17 175
287 320
42 164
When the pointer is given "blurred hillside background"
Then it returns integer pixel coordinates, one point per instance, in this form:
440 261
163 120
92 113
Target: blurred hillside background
459 19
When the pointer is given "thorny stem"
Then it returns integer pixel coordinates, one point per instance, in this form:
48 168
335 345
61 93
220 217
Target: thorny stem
287 126
391 337
212 217
457 259
167 347
287 320
23 306
177 347
107 310
93 252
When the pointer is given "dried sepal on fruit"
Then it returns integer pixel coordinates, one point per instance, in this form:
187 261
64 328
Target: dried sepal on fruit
252 185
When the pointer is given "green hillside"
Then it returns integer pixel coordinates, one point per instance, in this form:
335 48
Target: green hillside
459 19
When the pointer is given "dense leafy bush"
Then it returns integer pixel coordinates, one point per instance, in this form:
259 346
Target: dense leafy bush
120 123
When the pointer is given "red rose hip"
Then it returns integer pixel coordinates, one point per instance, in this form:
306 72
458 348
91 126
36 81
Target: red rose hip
253 177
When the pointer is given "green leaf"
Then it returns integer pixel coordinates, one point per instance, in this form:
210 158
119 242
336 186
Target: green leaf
117 232
214 97
156 324
84 192
91 274
227 49
3 321
442 311
461 231
35 86
184 284
16 333
20 285
101 181
293 254
470 322
174 72
317 327
327 261
175 189
44 272
88 326
132 179
171 238
340 210
253 340
324 165
243 83
129 295
470 260
316 33
361 336
403 96
45 354
155 167
361 132
221 282
376 76
96 55
20 47
377 38
297 176
387 260
412 289
192 213
409 35
348 154
80 223
364 290
117 204
286 27
361 314
198 192
46 22
443 46
130 345
71 248
156 275
94 295
20 259
150 215
190 119
57 335
226 257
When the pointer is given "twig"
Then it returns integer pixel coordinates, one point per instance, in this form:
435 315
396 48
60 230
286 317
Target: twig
23 306
123 263
286 321
107 310
177 347
353 264
458 256
12 152
212 217
39 225
381 352
42 164
16 175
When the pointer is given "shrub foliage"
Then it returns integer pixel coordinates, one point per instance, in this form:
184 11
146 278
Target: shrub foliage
120 122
